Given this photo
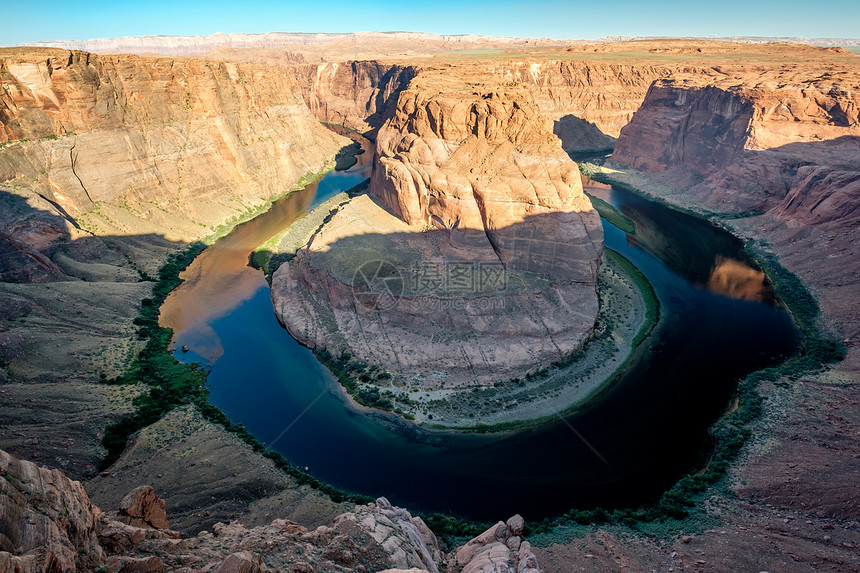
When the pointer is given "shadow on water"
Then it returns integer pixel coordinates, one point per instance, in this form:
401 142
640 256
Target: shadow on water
649 429
685 244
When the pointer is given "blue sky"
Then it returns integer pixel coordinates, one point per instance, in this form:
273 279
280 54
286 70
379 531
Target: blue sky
29 20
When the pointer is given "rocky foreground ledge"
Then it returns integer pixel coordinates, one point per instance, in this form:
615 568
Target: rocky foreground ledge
49 525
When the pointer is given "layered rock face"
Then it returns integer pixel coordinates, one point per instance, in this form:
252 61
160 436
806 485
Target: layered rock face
479 160
791 141
48 524
588 103
107 165
360 95
152 144
477 221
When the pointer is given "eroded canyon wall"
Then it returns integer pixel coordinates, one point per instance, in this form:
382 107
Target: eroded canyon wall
587 103
783 139
357 94
107 165
152 144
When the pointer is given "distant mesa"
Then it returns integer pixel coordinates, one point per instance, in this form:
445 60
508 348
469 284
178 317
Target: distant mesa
195 45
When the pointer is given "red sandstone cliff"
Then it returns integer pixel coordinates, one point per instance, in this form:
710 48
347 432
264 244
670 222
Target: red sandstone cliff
359 95
473 180
479 156
588 103
172 142
787 140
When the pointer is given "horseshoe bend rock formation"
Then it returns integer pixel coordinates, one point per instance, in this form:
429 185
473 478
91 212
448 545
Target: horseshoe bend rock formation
486 248
48 524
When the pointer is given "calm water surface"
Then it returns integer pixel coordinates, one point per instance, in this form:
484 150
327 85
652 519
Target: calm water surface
720 323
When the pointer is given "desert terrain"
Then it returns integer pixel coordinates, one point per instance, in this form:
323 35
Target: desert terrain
110 163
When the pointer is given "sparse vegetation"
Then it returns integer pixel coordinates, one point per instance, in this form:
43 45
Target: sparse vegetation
613 215
730 433
652 304
172 384
452 530
356 377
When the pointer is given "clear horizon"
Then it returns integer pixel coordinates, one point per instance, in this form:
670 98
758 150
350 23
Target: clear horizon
31 22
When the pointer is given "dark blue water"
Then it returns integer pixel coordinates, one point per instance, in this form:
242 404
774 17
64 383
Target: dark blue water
649 429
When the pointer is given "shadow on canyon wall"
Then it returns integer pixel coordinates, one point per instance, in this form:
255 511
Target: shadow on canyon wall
555 245
579 136
705 154
36 247
361 96
389 86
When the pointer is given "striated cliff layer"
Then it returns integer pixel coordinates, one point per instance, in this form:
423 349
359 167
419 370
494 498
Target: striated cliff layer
788 141
123 144
48 524
360 94
588 103
107 165
475 260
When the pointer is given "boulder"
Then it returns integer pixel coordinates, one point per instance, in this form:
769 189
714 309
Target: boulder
142 508
242 562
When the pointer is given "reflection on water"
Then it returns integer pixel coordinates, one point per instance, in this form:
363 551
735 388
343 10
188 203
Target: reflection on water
650 427
710 259
199 301
192 307
737 279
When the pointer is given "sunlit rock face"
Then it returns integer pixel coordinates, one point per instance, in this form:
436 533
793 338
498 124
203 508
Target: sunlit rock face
477 160
587 102
474 258
128 145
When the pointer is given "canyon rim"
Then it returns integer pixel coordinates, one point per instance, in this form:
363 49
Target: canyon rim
110 163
